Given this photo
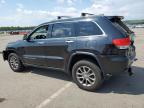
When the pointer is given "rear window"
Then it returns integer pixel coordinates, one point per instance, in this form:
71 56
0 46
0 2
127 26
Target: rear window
121 26
88 28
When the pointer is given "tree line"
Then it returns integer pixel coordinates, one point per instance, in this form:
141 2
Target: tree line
133 22
12 28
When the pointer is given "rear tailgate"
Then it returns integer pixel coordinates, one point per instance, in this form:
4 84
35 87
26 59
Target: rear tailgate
121 26
117 22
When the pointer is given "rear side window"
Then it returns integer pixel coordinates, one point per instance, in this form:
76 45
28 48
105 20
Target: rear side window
88 28
62 30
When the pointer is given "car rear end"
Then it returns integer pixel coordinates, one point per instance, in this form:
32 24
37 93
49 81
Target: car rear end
119 52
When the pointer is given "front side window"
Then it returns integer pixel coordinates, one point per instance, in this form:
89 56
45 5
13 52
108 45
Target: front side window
62 30
88 28
40 33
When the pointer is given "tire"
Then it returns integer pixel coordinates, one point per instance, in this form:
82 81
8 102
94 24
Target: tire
15 63
87 75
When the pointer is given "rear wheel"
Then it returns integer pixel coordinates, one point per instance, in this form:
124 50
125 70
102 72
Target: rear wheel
15 62
87 75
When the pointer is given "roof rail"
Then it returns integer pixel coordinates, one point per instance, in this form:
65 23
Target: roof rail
101 14
60 17
85 14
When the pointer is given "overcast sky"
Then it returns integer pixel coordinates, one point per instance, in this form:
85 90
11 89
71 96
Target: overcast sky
34 12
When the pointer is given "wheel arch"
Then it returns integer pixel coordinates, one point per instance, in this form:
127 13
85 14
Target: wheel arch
75 57
7 52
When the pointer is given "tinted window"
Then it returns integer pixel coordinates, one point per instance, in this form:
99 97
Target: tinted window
62 30
120 25
40 33
88 28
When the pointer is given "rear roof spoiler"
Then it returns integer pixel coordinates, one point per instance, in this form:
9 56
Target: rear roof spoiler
115 17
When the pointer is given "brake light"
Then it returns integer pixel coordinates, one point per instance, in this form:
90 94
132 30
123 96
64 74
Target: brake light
122 43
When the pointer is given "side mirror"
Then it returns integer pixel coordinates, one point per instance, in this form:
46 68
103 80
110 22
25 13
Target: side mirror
25 37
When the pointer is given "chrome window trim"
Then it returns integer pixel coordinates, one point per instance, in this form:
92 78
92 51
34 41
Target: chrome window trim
86 20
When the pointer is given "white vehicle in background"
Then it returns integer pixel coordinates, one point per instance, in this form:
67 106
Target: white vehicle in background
140 26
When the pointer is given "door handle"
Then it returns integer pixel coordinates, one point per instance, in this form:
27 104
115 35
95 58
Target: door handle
69 41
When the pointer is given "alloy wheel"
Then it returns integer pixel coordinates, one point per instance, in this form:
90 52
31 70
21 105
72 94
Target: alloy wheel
85 76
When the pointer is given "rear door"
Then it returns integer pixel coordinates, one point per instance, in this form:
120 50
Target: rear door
59 46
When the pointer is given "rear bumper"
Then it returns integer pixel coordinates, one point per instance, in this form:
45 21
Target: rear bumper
114 65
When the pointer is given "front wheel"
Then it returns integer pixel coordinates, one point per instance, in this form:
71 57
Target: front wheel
87 75
15 63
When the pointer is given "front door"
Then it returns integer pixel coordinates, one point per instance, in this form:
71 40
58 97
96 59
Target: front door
34 47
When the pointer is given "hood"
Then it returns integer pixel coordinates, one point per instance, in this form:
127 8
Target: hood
14 44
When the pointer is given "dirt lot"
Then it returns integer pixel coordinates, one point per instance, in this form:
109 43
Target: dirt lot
6 39
42 88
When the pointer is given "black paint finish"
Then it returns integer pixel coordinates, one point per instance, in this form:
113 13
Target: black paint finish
59 52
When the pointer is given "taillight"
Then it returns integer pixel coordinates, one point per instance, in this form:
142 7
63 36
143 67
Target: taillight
122 43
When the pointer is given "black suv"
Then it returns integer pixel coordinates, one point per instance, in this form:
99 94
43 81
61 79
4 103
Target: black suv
89 48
